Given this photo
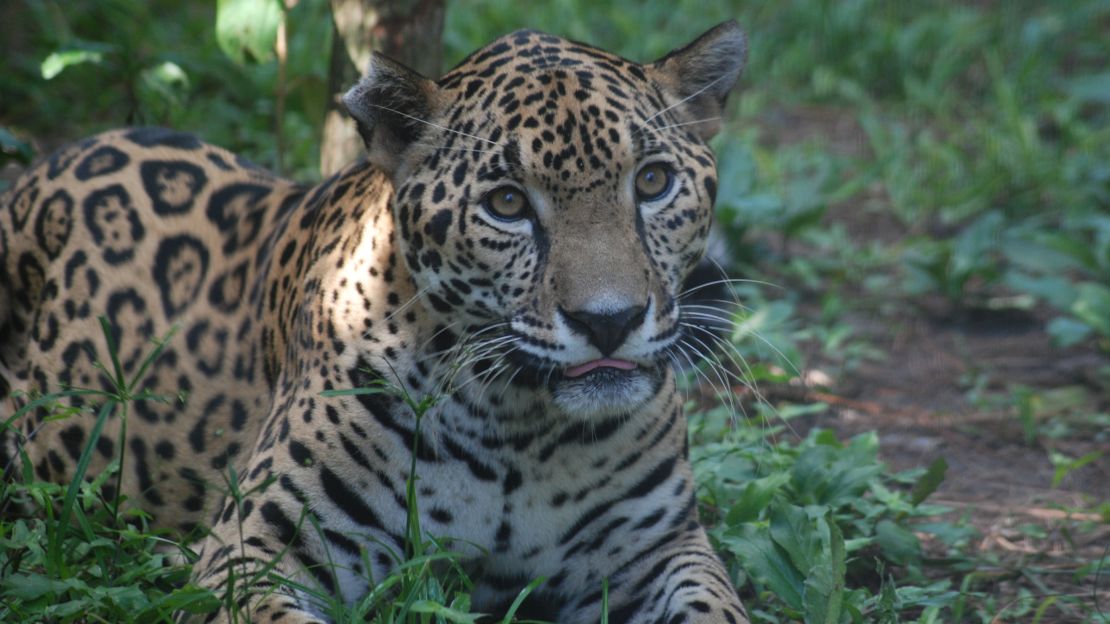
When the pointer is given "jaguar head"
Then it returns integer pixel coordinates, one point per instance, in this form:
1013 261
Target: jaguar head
552 197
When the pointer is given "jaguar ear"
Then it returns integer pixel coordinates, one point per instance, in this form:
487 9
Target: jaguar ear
700 75
390 105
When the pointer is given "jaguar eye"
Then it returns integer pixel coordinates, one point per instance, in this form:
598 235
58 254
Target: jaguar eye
506 203
653 181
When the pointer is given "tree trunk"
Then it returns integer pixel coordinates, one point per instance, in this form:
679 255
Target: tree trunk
408 31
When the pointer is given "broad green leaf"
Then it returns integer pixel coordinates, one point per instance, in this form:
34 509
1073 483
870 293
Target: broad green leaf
127 598
767 562
928 483
755 497
34 586
950 533
1066 332
887 601
972 250
834 475
69 608
31 586
165 83
792 530
822 599
899 544
795 410
932 595
1054 289
824 586
826 437
247 29
1092 306
1048 253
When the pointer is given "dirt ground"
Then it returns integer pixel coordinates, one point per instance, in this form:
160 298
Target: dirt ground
945 388
917 399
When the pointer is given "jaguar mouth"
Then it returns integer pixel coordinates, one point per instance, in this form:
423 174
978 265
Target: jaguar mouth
604 387
596 388
535 372
599 364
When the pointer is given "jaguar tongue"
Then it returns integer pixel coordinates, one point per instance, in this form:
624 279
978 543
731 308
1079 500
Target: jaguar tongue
582 369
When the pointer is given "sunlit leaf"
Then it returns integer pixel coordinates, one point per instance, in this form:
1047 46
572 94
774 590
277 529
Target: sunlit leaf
58 61
247 29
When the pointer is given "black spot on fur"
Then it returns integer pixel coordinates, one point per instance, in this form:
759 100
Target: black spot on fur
101 161
54 223
238 211
114 223
437 226
172 185
227 290
180 266
73 438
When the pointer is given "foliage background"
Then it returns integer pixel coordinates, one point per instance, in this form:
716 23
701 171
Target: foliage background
886 165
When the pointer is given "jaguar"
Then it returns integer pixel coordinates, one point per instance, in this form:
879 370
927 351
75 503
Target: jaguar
485 309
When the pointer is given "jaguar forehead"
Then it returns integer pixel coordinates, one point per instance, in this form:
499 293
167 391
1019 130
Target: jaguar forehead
533 50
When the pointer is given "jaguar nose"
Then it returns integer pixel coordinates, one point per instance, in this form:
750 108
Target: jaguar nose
606 331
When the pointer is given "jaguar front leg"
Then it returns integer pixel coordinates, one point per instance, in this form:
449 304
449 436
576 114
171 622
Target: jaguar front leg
278 552
247 568
683 581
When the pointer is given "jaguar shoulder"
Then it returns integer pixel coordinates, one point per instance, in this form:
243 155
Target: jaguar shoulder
514 245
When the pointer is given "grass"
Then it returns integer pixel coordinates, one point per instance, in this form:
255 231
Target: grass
893 161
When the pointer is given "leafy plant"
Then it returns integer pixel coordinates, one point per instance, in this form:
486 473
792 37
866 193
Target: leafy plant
809 524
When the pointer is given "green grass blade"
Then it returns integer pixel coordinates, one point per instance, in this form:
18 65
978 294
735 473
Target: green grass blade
155 353
113 352
605 600
75 484
520 599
